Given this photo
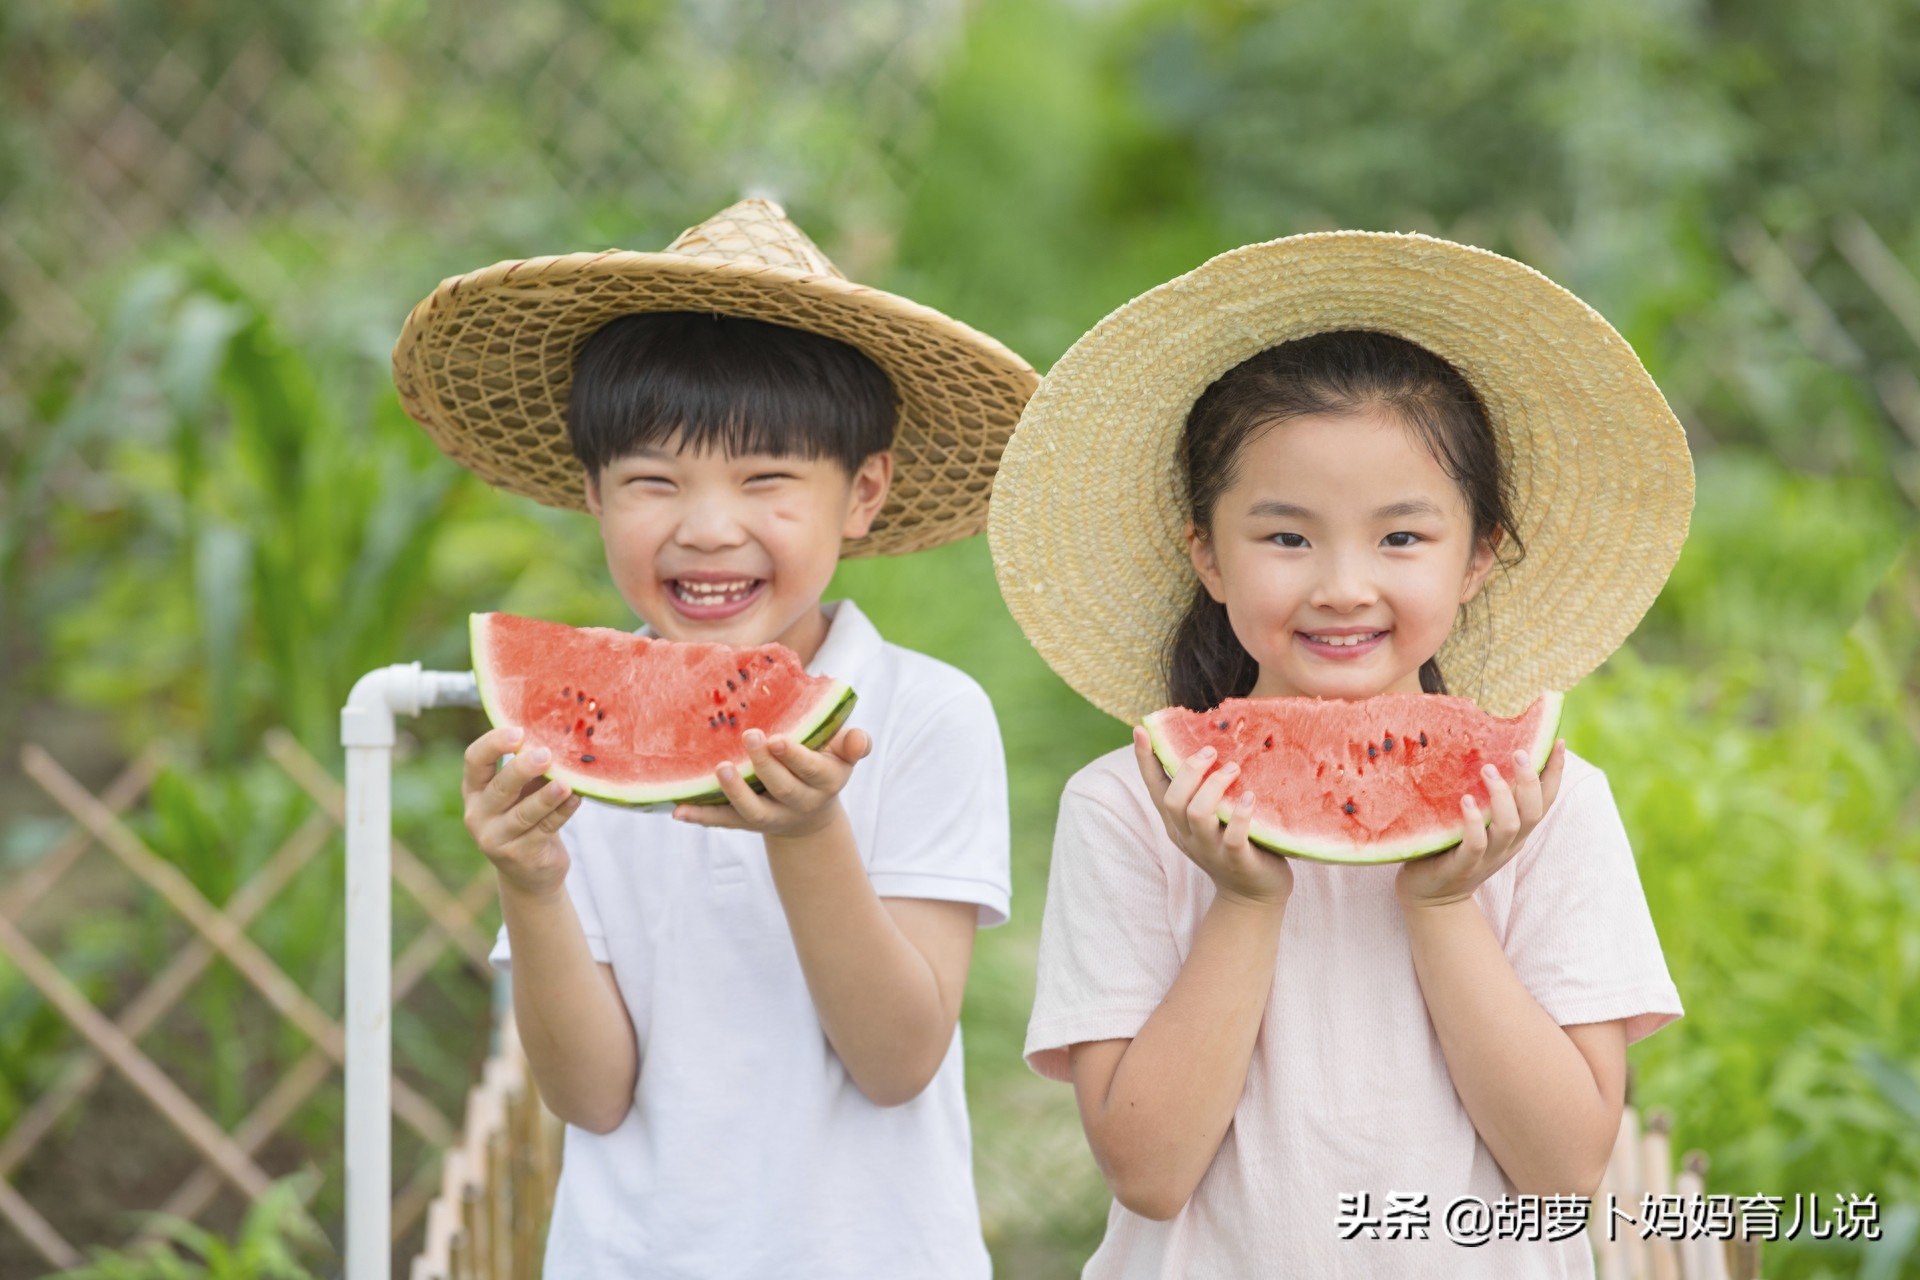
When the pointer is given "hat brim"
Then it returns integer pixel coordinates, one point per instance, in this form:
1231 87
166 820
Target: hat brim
1088 516
485 362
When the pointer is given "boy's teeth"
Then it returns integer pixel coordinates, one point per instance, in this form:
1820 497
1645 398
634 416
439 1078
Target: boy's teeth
713 592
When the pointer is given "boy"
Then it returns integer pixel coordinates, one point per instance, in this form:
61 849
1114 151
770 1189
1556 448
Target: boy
746 1014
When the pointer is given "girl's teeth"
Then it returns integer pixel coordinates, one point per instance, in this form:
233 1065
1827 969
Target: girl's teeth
1342 642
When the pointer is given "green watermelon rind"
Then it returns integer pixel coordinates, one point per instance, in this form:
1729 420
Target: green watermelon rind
813 740
815 729
1278 840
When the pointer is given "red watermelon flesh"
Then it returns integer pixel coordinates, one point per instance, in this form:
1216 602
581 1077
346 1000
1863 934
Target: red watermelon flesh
1375 780
640 721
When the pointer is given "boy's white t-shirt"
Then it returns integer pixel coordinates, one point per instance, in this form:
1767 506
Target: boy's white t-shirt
748 1151
1347 1092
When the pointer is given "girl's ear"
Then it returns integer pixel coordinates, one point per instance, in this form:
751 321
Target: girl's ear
593 493
868 494
1480 565
1200 552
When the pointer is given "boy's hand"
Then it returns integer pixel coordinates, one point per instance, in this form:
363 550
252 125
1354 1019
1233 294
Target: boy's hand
515 816
1452 876
1189 804
803 786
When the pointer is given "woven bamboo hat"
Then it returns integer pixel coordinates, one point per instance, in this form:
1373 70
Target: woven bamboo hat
484 363
1089 507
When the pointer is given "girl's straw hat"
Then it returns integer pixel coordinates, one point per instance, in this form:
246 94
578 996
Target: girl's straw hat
1089 507
485 362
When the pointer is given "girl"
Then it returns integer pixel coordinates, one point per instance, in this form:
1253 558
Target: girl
1294 1069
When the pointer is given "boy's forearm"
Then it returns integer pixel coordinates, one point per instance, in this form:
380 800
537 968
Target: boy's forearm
879 998
578 1037
1177 1084
1529 1090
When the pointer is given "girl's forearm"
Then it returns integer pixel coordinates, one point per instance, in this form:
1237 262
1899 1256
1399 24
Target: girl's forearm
572 1022
878 996
1529 1090
1171 1096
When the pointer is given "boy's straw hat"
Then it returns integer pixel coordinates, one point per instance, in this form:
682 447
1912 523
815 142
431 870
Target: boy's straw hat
1089 507
485 361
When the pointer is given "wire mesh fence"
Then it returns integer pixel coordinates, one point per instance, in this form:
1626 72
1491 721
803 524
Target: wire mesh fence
274 141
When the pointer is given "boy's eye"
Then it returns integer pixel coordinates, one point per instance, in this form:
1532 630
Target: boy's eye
766 476
1290 539
1410 539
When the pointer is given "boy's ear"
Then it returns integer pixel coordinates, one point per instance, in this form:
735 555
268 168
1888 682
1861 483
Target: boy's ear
1200 552
1480 565
593 492
869 493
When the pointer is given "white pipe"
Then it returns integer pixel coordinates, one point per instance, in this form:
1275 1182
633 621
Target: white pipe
366 731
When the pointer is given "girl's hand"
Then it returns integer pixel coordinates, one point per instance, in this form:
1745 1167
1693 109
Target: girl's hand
803 786
1451 876
1189 804
514 815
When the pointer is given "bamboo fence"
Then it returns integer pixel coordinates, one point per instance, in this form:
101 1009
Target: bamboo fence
496 1185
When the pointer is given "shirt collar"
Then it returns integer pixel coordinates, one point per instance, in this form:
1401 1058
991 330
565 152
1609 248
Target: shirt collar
851 644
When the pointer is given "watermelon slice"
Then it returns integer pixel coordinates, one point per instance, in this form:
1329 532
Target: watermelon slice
1378 780
645 722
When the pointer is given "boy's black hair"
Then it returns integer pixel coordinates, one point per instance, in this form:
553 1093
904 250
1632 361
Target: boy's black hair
726 383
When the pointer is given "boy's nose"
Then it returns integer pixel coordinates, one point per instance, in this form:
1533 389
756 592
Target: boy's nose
709 526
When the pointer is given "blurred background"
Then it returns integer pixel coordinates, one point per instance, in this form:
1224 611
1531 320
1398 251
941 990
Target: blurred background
213 516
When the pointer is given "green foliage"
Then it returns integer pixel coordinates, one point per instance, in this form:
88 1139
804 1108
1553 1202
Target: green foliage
1774 823
268 527
276 1241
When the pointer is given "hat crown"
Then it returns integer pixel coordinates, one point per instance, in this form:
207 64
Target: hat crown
755 232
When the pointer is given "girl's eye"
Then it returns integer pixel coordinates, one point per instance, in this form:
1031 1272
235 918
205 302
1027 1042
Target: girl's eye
1411 538
650 482
765 476
1290 539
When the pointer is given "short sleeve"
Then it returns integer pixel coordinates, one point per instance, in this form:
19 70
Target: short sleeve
941 831
1579 935
579 890
1107 949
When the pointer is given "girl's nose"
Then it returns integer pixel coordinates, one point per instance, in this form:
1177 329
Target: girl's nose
1343 586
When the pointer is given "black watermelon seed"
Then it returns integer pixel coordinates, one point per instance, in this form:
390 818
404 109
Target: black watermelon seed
729 686
1423 739
600 715
586 759
567 692
732 719
1223 724
1388 744
589 731
1373 752
1269 742
579 697
1347 807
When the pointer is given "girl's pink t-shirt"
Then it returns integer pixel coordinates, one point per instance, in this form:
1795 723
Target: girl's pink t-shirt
1347 1094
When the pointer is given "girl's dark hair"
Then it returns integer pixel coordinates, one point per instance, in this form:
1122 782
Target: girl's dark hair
1334 374
726 383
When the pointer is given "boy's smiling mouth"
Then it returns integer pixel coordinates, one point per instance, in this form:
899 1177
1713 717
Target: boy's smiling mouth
710 597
